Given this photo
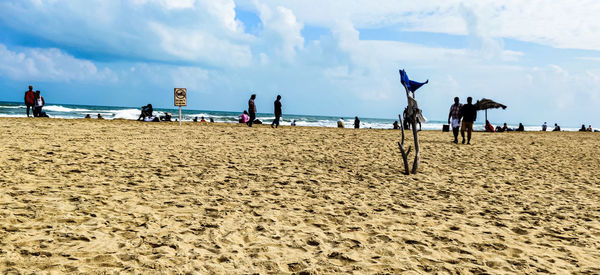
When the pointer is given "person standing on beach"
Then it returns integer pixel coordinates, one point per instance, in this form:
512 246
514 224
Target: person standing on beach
277 106
544 126
29 99
251 110
454 118
468 114
356 122
38 103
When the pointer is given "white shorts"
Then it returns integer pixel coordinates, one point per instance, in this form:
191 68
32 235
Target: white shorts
455 122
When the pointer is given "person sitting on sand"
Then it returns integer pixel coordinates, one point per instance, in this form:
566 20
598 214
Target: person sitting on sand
195 119
166 117
505 128
38 104
100 116
243 118
489 127
293 123
521 128
499 129
556 128
589 129
211 120
340 123
202 120
582 129
87 116
396 125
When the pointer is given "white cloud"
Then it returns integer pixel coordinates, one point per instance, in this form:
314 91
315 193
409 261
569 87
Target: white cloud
201 45
191 46
282 29
562 24
49 65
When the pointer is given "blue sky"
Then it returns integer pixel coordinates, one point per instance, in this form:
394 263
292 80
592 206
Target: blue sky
541 58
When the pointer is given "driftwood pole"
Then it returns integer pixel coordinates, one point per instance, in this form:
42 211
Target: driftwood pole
414 129
401 145
413 111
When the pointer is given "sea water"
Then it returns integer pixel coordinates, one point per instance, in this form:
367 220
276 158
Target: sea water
69 111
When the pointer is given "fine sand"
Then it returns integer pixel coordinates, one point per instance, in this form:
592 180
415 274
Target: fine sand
126 196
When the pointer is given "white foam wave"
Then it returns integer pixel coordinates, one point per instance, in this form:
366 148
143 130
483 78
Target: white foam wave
125 113
12 107
11 115
58 108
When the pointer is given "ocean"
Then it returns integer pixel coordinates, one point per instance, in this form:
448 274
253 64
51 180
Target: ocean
70 111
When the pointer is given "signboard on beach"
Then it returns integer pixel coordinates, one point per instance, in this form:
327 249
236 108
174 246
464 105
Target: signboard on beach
180 97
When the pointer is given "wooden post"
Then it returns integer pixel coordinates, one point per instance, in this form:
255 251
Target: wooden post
416 138
402 151
415 166
179 115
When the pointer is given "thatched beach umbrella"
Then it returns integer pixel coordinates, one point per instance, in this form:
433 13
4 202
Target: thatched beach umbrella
485 104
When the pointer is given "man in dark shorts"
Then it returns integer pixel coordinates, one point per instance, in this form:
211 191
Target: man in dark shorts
468 113
454 118
251 110
29 99
277 105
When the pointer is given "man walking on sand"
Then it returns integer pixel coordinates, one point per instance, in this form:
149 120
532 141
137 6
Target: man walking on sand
454 118
468 113
251 110
29 99
277 105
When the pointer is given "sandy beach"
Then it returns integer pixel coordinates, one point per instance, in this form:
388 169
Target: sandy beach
126 196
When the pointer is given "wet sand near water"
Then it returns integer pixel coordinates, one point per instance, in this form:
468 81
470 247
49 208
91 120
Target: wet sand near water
127 196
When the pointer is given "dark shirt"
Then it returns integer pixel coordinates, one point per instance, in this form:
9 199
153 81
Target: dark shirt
251 106
277 104
468 112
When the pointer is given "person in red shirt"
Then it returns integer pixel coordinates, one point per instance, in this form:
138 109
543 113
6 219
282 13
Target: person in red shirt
29 99
489 127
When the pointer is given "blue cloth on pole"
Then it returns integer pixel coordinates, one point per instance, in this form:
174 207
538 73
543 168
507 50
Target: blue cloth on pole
409 84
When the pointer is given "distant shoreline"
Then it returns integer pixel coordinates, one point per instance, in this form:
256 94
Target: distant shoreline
74 111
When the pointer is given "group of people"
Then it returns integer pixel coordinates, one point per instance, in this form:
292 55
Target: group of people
588 129
148 116
89 117
545 127
35 102
249 116
490 128
463 116
202 119
340 122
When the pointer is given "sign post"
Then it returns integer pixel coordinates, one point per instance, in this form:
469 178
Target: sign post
180 99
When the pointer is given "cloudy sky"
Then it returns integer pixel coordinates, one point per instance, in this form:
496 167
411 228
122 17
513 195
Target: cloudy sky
334 57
